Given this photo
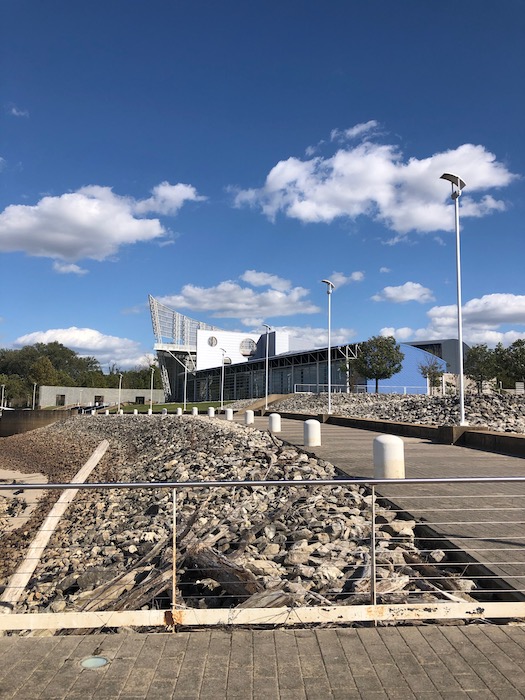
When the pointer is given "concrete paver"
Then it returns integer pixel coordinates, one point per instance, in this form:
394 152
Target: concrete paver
429 661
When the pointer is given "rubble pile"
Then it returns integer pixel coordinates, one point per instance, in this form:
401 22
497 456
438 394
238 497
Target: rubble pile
236 546
501 413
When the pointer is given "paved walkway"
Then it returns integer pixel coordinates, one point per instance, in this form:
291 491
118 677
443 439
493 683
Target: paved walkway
423 663
484 520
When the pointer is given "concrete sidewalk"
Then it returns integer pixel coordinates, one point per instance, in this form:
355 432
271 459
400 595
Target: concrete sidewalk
423 663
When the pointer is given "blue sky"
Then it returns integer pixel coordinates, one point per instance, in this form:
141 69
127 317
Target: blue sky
227 156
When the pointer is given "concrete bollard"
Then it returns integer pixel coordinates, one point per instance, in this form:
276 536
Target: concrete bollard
164 411
312 433
195 411
274 423
229 413
179 411
93 412
121 412
107 411
248 417
211 411
135 412
389 457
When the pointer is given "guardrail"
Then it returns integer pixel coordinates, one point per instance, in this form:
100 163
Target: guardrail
283 552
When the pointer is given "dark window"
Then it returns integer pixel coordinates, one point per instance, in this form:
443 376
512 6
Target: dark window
139 400
60 400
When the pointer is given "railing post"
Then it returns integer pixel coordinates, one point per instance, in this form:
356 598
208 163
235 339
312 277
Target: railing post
373 551
174 557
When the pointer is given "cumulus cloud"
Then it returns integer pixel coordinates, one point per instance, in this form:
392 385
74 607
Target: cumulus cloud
410 291
339 278
482 321
92 222
108 349
264 279
375 180
68 268
229 299
384 269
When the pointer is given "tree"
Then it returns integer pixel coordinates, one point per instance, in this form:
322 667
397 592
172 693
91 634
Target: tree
480 365
379 358
516 360
431 370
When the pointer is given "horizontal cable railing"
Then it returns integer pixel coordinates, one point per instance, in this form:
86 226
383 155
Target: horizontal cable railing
295 550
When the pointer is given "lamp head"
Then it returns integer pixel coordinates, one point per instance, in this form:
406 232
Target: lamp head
454 179
330 286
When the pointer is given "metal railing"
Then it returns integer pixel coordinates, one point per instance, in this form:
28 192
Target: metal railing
271 552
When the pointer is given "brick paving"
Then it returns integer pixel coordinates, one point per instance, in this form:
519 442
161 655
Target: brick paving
426 662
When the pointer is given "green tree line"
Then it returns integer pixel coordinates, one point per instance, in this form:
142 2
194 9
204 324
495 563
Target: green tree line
53 364
503 366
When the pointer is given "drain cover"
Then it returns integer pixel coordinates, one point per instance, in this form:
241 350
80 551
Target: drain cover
94 662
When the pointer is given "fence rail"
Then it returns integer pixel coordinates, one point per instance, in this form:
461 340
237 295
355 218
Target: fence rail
324 550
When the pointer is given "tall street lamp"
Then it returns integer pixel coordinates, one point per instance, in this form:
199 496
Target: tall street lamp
34 395
458 185
329 289
119 391
222 377
268 328
2 399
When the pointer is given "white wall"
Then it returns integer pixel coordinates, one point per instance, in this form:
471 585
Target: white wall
210 355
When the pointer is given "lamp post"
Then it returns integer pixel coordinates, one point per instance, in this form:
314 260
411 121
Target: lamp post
222 377
151 391
329 289
457 185
266 368
34 395
185 383
119 391
2 399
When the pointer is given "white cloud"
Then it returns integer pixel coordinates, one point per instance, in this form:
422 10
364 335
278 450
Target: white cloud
374 180
339 278
482 321
264 279
92 222
15 111
68 268
229 299
410 291
354 131
108 349
399 334
384 269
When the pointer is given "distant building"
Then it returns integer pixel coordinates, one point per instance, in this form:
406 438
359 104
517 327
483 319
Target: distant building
88 397
200 362
446 350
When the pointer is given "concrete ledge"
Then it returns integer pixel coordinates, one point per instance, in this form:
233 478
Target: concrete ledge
20 421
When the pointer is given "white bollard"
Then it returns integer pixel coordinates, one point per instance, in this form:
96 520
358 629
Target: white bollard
389 457
229 413
135 411
312 433
93 412
107 412
164 411
274 423
121 412
150 412
195 411
211 411
179 411
248 417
